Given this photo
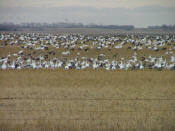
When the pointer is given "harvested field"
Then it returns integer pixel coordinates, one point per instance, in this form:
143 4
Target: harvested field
47 99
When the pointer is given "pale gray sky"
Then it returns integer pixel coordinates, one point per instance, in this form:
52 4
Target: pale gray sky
85 3
140 13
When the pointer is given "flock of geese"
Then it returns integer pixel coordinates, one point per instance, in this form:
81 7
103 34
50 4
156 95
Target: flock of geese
40 50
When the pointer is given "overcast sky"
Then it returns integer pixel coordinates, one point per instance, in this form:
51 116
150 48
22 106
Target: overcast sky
140 13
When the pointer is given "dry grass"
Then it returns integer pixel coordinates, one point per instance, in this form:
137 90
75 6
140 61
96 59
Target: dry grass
87 100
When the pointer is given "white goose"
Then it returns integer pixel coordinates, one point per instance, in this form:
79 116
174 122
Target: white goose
4 65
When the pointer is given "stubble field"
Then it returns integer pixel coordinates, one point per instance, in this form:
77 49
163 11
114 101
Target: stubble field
87 100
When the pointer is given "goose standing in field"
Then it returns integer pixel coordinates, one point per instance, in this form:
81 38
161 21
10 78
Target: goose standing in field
158 65
34 66
141 67
12 66
122 65
173 59
114 65
128 65
108 66
59 64
46 65
4 65
95 65
77 65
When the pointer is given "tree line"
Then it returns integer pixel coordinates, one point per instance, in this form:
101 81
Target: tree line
42 26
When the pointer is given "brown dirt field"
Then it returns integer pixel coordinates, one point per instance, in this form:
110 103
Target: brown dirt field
87 100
